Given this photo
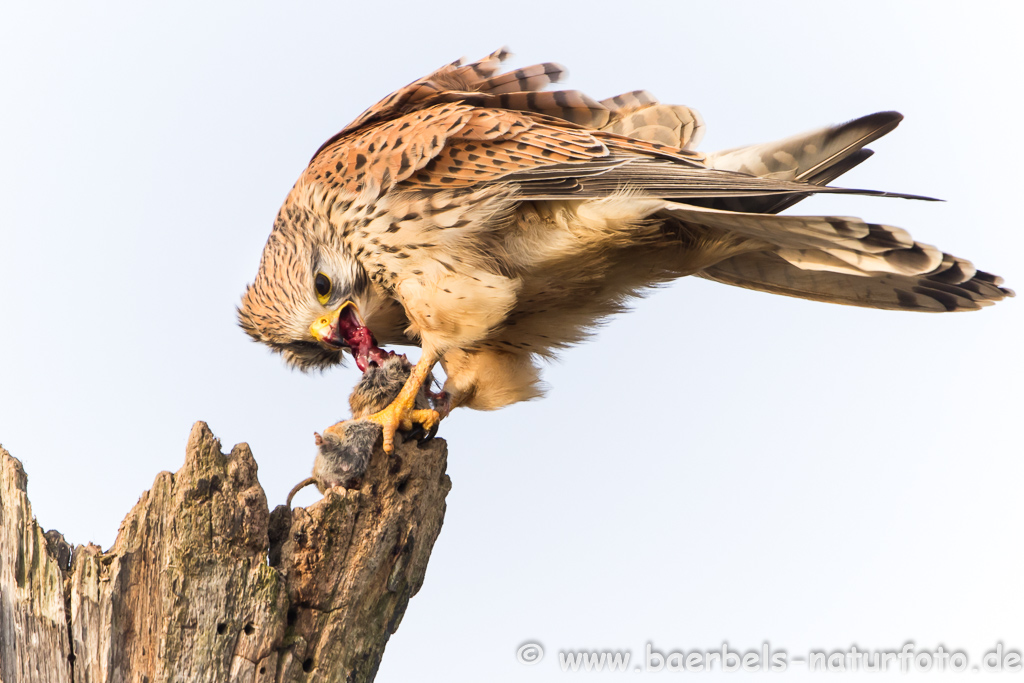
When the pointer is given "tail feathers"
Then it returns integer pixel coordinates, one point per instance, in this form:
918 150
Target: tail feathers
842 260
768 272
817 157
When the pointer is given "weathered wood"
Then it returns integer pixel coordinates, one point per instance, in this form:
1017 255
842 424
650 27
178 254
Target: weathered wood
204 584
33 628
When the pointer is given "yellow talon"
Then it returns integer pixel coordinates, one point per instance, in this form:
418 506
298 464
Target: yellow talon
426 417
398 416
402 412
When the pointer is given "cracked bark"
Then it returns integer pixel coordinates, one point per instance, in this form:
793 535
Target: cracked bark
204 583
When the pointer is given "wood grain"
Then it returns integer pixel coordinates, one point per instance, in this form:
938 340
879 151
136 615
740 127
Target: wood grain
204 583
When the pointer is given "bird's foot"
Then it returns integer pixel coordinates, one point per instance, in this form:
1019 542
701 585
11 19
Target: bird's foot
398 415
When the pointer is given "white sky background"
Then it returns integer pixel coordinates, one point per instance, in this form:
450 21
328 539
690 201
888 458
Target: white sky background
717 465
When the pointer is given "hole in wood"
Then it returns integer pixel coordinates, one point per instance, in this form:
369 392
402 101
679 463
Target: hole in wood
249 629
221 628
293 614
307 665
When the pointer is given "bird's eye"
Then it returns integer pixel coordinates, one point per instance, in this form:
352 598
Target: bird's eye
322 284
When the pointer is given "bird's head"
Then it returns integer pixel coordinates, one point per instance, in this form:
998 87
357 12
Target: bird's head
307 300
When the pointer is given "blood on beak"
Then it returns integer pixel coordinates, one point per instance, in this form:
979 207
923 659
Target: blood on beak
333 328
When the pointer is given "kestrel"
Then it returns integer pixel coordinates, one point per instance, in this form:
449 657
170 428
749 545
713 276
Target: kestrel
492 224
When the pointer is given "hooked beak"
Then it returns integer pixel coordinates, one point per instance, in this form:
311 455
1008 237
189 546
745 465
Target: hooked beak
332 330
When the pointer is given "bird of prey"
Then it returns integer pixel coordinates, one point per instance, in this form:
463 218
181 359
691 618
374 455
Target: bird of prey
492 224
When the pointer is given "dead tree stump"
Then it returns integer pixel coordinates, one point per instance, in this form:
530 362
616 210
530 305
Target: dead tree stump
204 583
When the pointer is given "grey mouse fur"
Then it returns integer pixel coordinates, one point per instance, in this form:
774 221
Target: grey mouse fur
344 450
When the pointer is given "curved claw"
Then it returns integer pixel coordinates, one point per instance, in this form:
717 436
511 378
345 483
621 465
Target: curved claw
421 435
400 414
429 436
395 417
418 433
